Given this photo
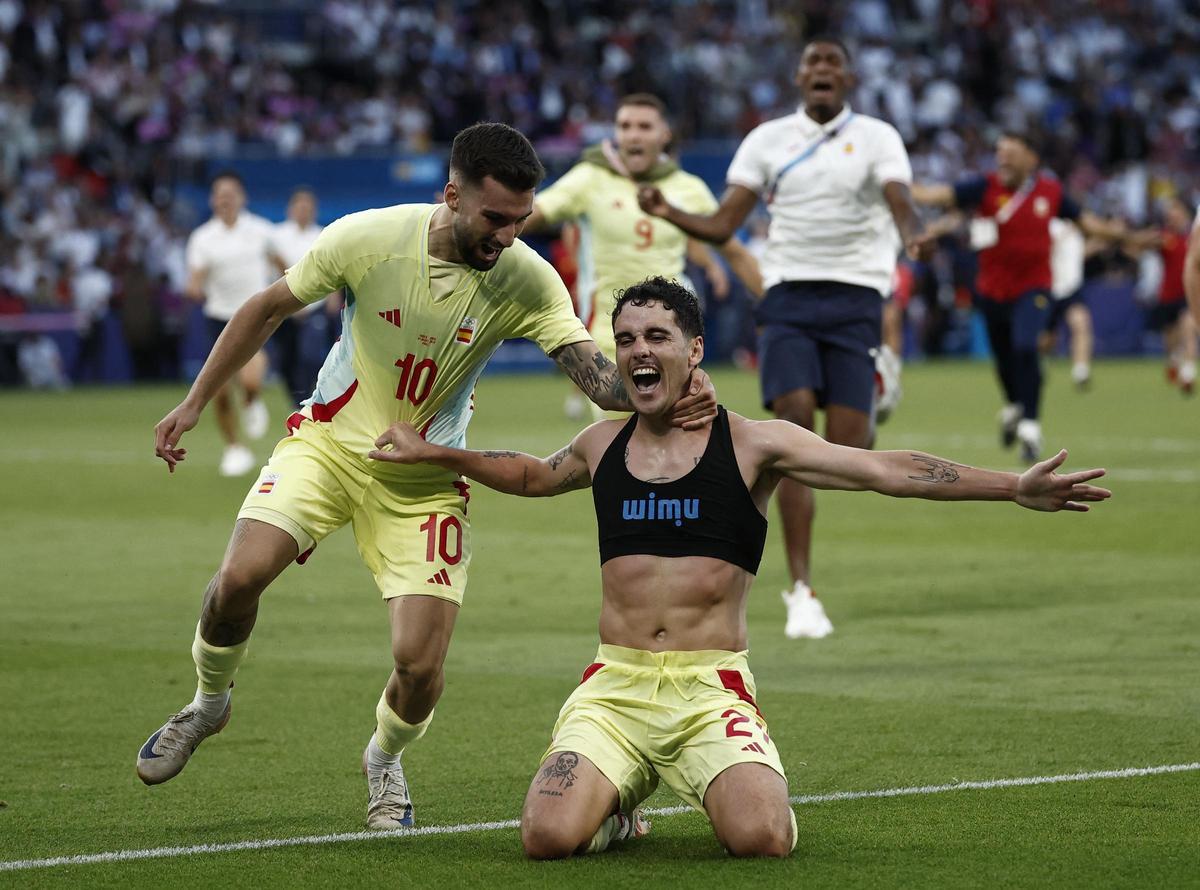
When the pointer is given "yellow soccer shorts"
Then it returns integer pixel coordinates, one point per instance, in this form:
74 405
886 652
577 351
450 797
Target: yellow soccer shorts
684 717
414 538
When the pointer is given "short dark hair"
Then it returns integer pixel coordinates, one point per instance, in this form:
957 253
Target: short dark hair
498 151
672 295
646 100
1027 138
228 174
827 38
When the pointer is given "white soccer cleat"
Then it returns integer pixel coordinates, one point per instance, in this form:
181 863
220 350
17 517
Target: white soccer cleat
887 383
166 752
1081 375
255 419
1029 434
238 460
806 616
388 803
633 826
575 406
1009 417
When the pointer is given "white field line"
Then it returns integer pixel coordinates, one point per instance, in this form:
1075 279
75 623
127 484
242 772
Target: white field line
320 839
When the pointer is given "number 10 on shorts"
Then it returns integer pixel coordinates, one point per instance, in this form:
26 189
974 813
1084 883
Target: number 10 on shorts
443 537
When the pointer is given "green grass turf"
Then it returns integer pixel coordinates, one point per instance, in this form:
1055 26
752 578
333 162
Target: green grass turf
974 641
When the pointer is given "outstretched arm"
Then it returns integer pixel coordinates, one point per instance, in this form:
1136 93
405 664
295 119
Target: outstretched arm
509 472
801 455
736 204
601 382
244 336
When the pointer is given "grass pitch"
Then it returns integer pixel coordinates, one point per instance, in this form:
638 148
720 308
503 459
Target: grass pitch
973 642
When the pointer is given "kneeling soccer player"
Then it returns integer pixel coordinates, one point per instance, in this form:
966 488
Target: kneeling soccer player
681 521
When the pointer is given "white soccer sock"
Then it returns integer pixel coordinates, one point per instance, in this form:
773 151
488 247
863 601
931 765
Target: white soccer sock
378 759
1081 371
1187 372
211 705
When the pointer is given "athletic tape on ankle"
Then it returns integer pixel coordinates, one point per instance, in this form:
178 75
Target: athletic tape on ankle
216 665
394 734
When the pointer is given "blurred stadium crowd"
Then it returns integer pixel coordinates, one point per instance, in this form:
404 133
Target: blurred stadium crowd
108 107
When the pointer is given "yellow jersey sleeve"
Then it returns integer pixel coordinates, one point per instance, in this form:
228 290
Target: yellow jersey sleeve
550 318
323 267
693 196
568 198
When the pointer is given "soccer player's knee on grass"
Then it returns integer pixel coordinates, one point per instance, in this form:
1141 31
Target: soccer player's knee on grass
766 833
547 835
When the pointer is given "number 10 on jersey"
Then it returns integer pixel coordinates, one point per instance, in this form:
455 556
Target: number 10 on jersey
416 378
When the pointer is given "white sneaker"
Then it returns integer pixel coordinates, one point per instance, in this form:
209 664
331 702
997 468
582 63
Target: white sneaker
238 460
634 825
887 383
805 615
1081 375
166 752
1009 417
1029 434
255 419
388 803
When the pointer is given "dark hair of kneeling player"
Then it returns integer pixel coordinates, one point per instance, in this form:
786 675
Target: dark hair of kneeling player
672 295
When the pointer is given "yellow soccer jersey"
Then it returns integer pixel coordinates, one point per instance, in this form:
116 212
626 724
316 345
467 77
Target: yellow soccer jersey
620 245
406 354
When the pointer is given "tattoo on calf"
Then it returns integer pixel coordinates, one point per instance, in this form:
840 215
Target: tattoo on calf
935 470
559 775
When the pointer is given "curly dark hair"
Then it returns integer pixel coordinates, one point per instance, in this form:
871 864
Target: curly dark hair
498 151
672 295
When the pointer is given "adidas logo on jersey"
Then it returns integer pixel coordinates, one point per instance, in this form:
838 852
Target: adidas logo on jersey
442 578
755 747
392 316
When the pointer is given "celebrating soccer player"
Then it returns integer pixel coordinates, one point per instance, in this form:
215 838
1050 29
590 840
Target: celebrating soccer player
436 288
681 516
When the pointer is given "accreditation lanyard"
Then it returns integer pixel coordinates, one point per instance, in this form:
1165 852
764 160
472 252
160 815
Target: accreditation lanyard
1010 208
807 153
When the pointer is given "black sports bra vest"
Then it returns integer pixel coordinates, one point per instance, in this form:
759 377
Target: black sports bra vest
708 512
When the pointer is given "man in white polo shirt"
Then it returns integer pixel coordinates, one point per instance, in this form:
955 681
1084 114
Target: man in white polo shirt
230 258
836 185
303 339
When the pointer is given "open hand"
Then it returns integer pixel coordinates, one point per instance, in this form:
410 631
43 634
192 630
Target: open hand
1040 488
698 407
407 445
170 430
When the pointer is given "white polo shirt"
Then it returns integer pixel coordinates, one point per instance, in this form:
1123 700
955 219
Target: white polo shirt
824 189
236 259
292 242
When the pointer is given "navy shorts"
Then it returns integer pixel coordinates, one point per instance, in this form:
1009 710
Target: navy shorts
819 335
1059 307
1163 315
213 326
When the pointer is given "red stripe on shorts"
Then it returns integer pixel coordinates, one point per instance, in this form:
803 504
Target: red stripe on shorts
732 680
592 668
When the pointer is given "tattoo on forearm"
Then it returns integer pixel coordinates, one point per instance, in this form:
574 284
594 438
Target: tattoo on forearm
935 470
559 775
558 457
594 374
499 454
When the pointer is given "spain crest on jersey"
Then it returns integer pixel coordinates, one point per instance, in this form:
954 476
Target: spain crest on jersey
466 330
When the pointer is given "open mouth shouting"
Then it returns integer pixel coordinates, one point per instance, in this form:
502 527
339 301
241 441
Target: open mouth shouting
821 90
489 252
645 379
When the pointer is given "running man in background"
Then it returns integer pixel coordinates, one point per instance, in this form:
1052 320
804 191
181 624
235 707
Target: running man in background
230 258
836 186
619 244
436 289
1011 230
1068 251
1170 314
682 522
1191 269
303 339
